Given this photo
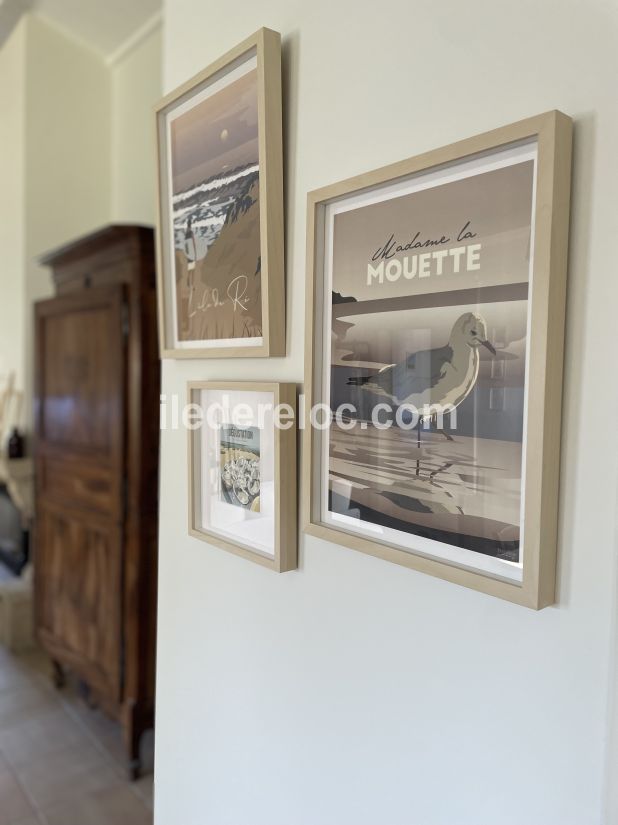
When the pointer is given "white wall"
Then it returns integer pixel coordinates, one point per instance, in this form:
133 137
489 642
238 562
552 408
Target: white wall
68 112
12 126
355 692
136 87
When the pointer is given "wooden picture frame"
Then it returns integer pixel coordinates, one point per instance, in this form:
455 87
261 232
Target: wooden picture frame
274 448
220 238
334 216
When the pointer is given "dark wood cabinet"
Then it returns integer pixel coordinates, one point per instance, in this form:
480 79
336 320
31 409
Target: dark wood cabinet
97 384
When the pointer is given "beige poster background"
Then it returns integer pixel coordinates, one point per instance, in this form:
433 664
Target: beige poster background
495 206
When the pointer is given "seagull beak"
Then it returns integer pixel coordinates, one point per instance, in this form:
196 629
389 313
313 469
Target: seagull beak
489 346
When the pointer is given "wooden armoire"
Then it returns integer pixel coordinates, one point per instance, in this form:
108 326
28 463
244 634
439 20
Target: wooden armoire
97 384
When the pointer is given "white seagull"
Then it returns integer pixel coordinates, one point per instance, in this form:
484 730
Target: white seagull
434 377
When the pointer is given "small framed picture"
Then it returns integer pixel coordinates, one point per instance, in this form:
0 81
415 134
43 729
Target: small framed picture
242 469
435 324
220 216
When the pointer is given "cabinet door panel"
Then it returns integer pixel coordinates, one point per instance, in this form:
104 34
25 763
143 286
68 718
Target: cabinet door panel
79 598
79 374
80 463
87 484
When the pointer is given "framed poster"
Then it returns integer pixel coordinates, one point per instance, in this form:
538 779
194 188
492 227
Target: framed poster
242 469
220 218
435 315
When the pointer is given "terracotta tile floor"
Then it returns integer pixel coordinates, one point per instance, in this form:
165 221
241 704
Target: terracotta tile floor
62 763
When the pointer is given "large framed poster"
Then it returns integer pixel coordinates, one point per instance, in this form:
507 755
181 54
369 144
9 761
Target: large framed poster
220 238
434 359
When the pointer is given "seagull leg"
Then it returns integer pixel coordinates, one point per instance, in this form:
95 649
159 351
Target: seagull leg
418 444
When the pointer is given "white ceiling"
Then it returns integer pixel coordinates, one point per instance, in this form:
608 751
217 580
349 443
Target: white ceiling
105 25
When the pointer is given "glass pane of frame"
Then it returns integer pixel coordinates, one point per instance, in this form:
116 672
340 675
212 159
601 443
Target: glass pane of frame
424 285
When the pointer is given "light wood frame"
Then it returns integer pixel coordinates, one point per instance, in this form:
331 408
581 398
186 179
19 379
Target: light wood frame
286 521
267 46
553 132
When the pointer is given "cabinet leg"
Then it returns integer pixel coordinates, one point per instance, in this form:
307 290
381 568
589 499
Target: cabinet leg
134 770
58 677
132 740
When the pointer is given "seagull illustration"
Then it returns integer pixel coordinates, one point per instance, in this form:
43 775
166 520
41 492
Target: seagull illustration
442 376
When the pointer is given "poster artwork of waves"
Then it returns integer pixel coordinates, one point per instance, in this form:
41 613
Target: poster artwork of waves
200 212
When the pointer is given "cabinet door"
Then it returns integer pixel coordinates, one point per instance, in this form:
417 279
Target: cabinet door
79 581
80 468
